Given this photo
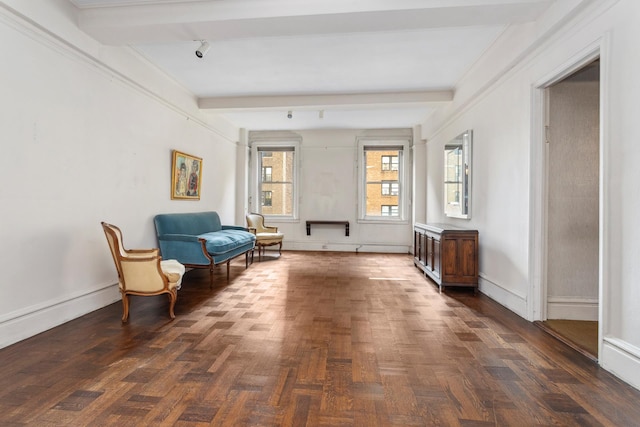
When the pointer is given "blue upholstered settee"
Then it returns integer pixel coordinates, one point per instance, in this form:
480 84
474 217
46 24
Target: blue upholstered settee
199 240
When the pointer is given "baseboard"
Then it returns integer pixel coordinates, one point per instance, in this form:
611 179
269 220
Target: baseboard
505 297
345 247
572 308
622 360
19 325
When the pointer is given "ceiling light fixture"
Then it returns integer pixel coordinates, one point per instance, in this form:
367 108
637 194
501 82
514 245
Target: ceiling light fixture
289 114
203 49
321 114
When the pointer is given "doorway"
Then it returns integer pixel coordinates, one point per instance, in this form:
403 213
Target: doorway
572 242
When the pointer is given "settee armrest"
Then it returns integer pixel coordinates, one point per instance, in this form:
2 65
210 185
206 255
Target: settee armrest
234 227
185 248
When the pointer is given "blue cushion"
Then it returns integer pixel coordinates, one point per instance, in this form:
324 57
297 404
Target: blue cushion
223 241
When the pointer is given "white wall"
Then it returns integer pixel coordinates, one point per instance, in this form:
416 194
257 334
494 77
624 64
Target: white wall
85 139
498 107
329 191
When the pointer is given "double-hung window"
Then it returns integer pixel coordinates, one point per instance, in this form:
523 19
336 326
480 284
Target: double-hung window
383 166
274 188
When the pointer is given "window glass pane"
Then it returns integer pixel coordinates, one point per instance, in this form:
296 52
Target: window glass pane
453 178
277 182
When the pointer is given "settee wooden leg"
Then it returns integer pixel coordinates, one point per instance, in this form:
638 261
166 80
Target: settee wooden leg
228 262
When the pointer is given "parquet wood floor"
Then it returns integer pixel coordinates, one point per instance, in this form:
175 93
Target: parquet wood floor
317 339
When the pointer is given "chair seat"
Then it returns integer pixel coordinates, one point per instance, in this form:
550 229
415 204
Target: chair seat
174 272
268 238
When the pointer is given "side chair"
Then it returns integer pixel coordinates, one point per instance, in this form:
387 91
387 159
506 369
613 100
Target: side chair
142 271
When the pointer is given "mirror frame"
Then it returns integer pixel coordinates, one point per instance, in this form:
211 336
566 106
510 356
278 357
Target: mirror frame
457 203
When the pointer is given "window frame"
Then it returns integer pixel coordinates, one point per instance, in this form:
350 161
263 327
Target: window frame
390 185
264 144
390 209
264 173
263 198
403 144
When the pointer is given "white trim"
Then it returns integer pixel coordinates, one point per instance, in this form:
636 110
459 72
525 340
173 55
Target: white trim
537 304
346 247
621 359
261 139
503 296
404 175
605 284
22 324
572 308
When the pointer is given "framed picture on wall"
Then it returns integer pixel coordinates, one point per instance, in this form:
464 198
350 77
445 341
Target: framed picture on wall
186 176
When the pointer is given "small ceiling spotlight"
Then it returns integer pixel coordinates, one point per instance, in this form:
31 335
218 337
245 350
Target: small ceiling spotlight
203 49
321 114
289 114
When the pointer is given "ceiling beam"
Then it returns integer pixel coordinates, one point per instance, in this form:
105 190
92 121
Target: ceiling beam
317 101
220 20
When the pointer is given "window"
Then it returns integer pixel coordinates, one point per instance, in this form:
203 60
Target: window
266 198
382 170
389 163
390 188
389 210
267 172
274 177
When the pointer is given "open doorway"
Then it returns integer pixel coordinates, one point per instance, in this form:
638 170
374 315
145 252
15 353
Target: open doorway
572 156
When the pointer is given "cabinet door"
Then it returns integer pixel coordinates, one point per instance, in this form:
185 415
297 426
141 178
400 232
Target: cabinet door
459 260
468 264
429 254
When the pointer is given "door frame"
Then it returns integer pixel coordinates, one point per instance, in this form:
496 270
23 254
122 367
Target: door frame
537 304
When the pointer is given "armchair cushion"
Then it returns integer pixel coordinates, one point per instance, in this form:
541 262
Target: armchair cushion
268 238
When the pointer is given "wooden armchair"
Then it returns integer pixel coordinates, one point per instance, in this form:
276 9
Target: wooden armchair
265 236
142 271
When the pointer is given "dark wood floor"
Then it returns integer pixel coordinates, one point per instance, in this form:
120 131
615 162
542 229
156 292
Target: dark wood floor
318 339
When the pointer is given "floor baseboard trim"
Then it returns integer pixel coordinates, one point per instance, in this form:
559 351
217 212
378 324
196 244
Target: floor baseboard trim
43 318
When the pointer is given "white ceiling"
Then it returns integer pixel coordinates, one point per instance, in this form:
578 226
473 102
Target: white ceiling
363 63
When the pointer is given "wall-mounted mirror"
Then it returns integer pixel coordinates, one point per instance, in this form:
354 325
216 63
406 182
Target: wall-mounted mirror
457 176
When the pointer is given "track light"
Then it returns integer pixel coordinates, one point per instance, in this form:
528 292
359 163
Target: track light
289 114
203 49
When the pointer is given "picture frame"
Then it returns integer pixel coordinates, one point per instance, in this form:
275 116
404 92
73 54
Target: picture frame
186 176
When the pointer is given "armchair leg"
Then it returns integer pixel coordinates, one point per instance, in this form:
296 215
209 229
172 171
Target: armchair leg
125 307
172 302
280 249
228 262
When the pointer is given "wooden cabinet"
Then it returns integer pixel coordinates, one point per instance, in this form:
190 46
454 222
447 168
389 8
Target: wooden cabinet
447 254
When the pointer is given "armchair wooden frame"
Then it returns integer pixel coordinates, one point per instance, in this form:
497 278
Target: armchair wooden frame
140 271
